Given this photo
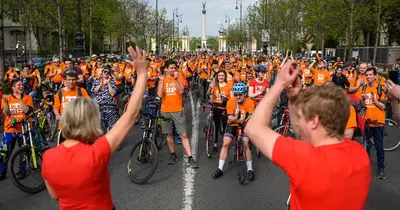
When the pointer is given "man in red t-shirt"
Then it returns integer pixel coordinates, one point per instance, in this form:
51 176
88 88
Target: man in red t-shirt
325 170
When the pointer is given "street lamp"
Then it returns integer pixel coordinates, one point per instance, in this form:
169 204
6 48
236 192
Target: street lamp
179 20
241 29
79 39
174 13
157 32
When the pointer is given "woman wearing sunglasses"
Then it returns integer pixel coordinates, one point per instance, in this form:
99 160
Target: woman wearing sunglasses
239 110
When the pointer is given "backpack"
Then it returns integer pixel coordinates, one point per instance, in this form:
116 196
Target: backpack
360 111
60 93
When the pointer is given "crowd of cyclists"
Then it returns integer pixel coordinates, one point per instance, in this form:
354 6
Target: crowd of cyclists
233 83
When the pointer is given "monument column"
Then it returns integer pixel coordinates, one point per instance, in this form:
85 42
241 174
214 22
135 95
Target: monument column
203 37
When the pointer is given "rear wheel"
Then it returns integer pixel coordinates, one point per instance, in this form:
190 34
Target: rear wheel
143 161
210 140
391 133
22 169
240 156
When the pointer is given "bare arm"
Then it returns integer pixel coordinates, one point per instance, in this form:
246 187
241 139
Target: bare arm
160 87
111 90
51 191
121 129
24 107
6 109
179 86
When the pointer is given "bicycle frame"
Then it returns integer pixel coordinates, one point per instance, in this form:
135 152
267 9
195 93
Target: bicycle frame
26 126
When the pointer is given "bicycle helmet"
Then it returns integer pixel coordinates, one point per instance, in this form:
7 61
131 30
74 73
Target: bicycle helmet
239 87
260 68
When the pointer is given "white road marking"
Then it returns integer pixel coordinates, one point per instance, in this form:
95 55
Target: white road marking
188 172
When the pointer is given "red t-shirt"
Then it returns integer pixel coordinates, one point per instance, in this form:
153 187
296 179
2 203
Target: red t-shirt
79 175
257 86
328 177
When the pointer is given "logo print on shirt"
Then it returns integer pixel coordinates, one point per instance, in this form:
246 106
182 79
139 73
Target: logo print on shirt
67 99
171 89
15 109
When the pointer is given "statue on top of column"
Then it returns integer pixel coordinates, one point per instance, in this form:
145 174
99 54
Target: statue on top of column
204 7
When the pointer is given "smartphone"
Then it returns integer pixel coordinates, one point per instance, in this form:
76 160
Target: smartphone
393 76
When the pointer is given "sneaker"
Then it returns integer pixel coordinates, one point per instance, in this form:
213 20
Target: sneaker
192 163
217 173
381 174
20 175
172 159
250 175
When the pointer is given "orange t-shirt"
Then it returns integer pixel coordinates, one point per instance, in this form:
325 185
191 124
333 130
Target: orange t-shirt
220 92
308 76
373 112
35 79
59 71
320 77
358 93
96 71
67 97
351 77
151 73
229 77
247 107
171 98
16 112
11 74
85 69
316 174
242 75
128 71
352 121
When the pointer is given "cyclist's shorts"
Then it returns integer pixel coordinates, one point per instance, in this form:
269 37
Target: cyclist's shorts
178 119
231 131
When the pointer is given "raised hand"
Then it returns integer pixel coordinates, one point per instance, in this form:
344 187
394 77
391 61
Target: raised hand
393 89
139 61
287 75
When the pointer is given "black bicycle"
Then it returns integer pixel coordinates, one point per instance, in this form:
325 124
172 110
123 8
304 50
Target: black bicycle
209 129
239 155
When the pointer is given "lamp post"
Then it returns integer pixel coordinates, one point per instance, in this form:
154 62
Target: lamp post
179 20
174 13
240 26
79 39
157 32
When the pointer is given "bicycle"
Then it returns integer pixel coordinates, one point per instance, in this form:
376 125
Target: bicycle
239 156
147 148
209 129
32 150
388 144
284 128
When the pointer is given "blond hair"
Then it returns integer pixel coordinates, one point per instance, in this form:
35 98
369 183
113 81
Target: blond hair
80 120
330 103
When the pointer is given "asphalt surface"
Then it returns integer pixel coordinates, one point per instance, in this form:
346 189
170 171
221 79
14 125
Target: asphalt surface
178 187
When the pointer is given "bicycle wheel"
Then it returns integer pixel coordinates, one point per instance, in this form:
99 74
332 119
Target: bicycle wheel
158 137
53 130
23 161
391 133
143 152
210 140
285 131
240 156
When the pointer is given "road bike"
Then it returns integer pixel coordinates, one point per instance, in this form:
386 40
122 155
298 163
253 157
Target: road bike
28 158
209 129
284 128
239 155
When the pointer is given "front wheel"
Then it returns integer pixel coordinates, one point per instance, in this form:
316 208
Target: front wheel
144 157
21 167
158 137
210 140
240 156
285 130
391 134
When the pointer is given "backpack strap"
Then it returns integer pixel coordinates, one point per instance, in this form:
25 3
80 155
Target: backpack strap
364 87
379 91
60 95
79 92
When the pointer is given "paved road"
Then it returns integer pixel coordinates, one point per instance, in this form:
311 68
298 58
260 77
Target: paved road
178 187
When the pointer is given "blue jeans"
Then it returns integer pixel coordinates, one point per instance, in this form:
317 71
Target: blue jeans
377 134
6 148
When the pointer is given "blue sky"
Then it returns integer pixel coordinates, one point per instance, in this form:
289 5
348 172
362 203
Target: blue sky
191 13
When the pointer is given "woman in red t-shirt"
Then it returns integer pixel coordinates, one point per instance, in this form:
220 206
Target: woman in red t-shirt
76 173
258 86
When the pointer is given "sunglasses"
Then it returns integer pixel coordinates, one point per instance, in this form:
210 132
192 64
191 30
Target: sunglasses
238 94
70 72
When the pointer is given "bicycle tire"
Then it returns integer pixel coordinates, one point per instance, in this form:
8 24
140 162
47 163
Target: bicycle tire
289 130
210 140
241 167
14 160
158 137
53 130
154 154
387 142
